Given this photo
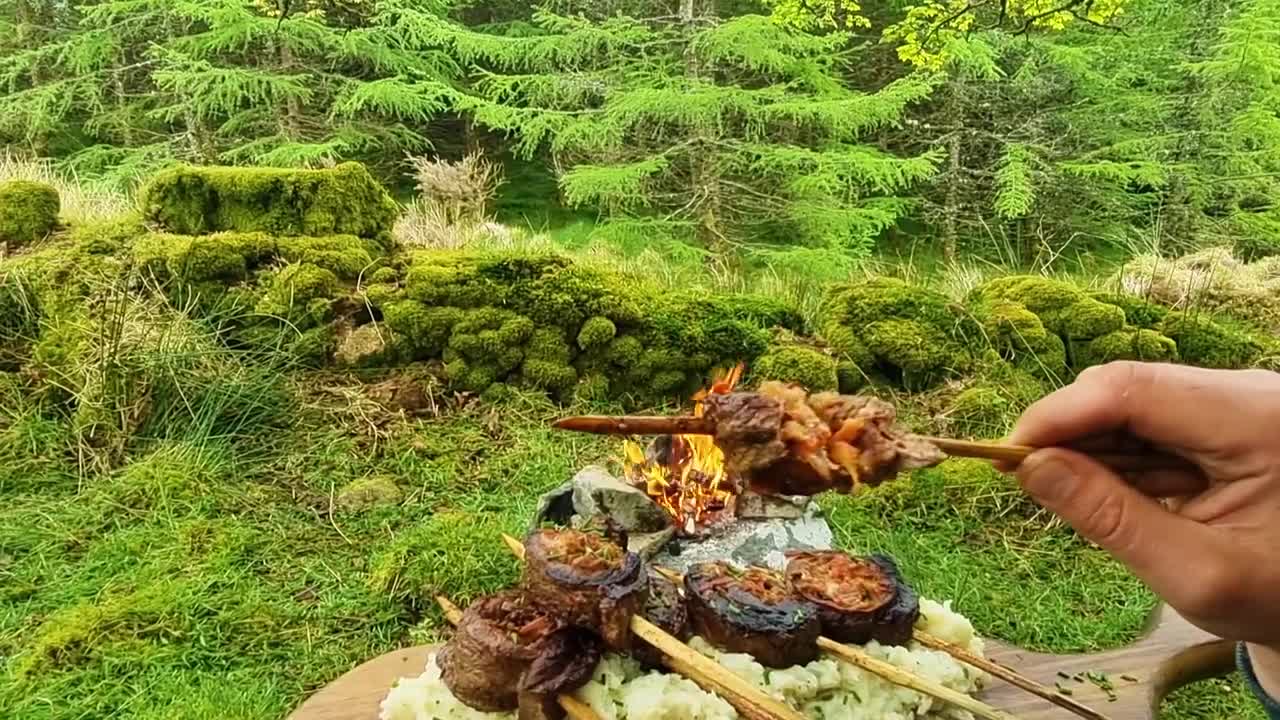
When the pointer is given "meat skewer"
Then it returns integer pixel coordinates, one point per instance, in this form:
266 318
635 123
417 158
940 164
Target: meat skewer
749 700
689 425
508 654
751 611
858 599
592 580
895 675
574 708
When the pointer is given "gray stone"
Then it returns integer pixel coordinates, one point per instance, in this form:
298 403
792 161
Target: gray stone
597 493
555 506
751 542
646 545
368 492
752 505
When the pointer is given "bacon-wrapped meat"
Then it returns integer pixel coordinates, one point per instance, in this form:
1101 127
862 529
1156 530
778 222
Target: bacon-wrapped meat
751 611
508 654
859 599
589 580
784 441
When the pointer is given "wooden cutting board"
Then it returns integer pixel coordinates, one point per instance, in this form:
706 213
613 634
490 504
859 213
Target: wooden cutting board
1172 654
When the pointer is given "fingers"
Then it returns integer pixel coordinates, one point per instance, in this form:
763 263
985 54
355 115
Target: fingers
1174 406
1157 545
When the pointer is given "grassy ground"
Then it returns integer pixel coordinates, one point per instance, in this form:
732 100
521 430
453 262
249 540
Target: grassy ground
222 578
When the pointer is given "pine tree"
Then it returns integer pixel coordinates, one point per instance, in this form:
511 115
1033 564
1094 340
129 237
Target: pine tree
722 131
137 83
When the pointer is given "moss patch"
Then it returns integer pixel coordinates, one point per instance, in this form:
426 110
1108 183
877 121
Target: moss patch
908 335
345 200
1205 343
807 367
28 211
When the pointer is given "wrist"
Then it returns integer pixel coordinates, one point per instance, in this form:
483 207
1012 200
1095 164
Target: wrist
1266 667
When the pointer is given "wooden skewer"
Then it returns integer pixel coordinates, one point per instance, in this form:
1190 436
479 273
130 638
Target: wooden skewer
572 706
689 425
748 699
1008 675
891 673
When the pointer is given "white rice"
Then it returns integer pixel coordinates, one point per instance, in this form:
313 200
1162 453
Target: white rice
824 689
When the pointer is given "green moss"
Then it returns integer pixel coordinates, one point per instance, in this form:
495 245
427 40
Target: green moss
1063 308
548 344
28 211
624 351
346 256
809 368
1017 335
344 200
107 237
380 296
850 377
1205 343
906 334
385 275
302 283
547 375
1128 344
996 396
422 331
596 332
1137 312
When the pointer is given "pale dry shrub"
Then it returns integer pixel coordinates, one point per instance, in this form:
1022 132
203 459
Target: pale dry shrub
81 200
1211 279
423 224
460 190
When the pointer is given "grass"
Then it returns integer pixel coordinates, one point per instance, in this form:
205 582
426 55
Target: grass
81 201
1220 699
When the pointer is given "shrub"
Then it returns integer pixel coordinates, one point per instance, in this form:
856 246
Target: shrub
1205 343
345 200
28 211
809 368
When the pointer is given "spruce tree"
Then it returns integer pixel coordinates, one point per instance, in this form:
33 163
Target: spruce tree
720 131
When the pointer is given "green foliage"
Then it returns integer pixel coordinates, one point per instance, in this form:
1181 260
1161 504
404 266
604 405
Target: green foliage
807 367
28 212
196 201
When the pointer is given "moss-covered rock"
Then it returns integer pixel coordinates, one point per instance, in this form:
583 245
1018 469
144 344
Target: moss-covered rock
596 333
807 367
1128 344
421 331
1063 308
1205 343
344 200
1137 312
28 211
1018 335
912 336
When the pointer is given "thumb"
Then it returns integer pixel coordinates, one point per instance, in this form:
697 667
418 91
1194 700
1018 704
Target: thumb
1157 545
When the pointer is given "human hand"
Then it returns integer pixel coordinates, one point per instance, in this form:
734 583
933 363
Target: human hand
1207 543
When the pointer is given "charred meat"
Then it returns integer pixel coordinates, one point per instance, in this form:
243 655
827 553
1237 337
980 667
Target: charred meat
588 579
665 608
507 653
751 611
859 599
784 441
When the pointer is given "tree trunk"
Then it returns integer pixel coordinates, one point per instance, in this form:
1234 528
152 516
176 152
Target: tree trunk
291 123
951 208
27 16
706 180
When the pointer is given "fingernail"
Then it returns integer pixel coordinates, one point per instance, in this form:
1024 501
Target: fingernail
1048 478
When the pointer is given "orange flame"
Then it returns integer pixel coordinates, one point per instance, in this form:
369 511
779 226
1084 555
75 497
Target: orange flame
693 485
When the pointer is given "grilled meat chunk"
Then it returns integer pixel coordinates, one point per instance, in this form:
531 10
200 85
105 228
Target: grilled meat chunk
665 608
859 599
751 611
505 649
588 579
787 442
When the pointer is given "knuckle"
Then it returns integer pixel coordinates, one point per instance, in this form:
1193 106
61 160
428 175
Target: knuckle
1212 592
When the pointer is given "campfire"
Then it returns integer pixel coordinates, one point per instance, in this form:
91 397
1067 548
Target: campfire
685 474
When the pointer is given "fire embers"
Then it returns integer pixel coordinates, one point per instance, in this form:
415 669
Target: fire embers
784 441
859 599
591 581
751 611
507 653
686 475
